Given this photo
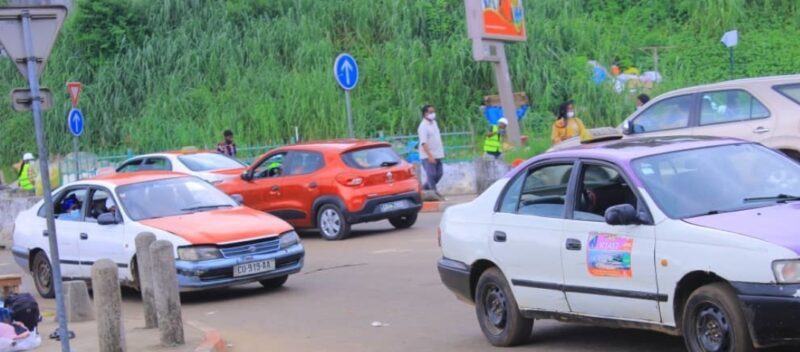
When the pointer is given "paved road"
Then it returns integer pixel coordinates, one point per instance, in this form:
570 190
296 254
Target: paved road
377 275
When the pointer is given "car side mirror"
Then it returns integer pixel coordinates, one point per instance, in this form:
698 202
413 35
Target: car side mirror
622 214
238 198
247 175
626 128
107 219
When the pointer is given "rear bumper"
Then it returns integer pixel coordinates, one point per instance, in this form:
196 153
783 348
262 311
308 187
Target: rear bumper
772 312
21 257
204 275
455 276
371 210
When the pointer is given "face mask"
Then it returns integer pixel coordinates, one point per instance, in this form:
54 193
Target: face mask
571 114
432 116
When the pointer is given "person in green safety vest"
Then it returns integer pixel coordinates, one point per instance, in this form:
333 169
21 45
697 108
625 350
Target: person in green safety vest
26 175
493 144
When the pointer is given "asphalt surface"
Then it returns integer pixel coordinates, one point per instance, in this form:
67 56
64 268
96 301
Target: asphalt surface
379 276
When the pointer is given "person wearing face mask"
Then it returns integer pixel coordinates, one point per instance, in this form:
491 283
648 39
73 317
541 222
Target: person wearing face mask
641 100
567 125
432 151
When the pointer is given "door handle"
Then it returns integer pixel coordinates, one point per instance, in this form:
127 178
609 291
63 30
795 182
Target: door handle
573 244
84 236
275 188
761 129
312 185
499 236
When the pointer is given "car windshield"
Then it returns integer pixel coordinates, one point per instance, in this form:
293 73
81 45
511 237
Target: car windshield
718 179
170 197
371 158
209 162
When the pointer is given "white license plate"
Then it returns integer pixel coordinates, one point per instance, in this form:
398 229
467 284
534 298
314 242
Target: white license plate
254 268
391 206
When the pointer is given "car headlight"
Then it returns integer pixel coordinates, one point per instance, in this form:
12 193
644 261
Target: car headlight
787 271
289 239
199 253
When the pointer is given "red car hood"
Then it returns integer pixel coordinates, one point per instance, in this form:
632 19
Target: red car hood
221 226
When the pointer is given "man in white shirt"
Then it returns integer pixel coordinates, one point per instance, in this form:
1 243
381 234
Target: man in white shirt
432 151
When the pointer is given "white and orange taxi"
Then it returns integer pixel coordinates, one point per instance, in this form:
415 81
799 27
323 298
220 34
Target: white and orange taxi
217 241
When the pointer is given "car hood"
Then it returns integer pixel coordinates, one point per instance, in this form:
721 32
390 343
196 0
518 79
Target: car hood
221 226
772 224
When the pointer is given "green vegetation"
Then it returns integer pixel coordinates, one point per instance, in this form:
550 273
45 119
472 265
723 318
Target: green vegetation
168 73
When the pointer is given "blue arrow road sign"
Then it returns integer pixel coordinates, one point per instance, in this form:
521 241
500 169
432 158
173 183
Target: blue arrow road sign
75 122
345 70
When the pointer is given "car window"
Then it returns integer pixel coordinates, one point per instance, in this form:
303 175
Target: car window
156 164
730 106
69 205
101 203
302 163
544 191
670 113
791 91
371 158
510 199
272 166
209 162
600 188
130 166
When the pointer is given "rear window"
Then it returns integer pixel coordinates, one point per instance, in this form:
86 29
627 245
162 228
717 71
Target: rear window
209 162
371 158
791 91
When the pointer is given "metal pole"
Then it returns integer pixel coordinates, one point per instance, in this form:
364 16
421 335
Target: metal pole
77 158
503 78
349 114
55 261
730 51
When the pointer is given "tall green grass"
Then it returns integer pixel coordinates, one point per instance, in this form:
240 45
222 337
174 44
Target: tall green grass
262 67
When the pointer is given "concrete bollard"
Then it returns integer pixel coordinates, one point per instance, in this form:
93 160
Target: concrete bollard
79 306
144 265
108 304
168 299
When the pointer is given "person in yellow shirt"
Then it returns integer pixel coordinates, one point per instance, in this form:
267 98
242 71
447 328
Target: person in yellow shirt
567 125
26 174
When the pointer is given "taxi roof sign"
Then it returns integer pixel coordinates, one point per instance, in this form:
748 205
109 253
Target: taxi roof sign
600 134
46 22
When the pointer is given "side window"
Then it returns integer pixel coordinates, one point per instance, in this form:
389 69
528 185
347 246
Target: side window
544 191
101 203
791 91
667 114
510 199
69 206
156 164
730 106
271 167
600 188
130 166
302 163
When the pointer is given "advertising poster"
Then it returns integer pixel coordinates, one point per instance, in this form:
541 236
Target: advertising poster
503 20
609 255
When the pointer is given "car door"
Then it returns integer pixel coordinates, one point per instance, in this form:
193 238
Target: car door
668 117
68 211
101 241
734 113
262 189
298 188
526 235
609 271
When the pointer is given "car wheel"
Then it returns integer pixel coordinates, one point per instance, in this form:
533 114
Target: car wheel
498 314
43 275
403 222
713 321
332 224
274 282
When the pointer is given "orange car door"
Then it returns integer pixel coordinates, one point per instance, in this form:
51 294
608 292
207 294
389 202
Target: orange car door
262 190
298 188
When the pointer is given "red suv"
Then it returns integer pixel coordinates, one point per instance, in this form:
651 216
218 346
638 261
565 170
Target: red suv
331 186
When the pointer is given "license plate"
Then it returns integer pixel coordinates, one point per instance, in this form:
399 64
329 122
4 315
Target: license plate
391 206
254 268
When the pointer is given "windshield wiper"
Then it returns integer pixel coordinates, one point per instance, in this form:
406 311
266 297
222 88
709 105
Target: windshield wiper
781 198
389 163
207 207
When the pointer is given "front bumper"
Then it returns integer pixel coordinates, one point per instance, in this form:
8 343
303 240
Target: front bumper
208 274
456 277
371 210
772 312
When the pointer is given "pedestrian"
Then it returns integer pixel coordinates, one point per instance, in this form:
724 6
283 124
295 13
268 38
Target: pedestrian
567 125
227 147
26 173
641 100
493 144
432 151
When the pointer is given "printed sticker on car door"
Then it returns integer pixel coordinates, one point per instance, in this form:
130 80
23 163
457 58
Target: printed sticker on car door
609 255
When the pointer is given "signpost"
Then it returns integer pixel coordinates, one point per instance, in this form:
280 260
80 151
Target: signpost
18 28
75 122
731 39
345 70
490 23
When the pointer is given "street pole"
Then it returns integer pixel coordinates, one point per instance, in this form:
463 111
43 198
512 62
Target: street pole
77 159
41 143
503 78
349 114
730 55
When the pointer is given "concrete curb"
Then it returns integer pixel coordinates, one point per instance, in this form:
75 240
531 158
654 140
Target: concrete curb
212 342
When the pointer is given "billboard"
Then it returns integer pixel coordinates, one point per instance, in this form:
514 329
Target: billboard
503 20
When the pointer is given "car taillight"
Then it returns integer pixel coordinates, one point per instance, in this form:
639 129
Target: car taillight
350 180
412 172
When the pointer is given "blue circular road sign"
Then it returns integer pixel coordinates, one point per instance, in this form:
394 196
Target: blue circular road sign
75 122
345 70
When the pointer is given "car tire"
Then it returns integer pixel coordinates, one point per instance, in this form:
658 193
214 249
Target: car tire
42 273
274 282
333 226
713 321
498 314
403 222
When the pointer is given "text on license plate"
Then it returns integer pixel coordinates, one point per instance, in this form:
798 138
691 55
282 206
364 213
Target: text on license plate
396 205
254 268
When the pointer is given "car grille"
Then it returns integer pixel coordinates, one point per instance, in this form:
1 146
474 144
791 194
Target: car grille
262 246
